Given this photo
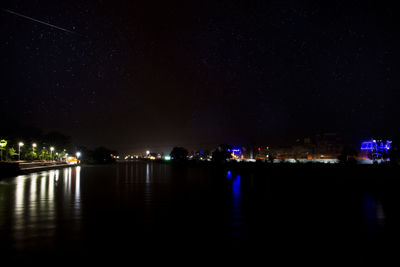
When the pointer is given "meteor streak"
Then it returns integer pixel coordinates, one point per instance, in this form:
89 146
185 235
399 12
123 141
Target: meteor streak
38 21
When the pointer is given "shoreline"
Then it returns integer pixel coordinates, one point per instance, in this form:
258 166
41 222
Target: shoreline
10 169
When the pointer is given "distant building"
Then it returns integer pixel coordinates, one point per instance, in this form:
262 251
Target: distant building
328 145
375 149
322 146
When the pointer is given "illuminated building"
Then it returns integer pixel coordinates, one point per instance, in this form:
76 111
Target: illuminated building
322 146
236 153
376 149
328 145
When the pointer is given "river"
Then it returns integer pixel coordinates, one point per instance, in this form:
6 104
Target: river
150 208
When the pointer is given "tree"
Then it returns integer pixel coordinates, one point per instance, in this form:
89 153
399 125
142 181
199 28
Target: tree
348 155
43 154
30 155
222 153
2 150
11 153
103 155
179 154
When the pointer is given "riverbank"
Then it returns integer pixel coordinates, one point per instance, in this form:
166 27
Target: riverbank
8 169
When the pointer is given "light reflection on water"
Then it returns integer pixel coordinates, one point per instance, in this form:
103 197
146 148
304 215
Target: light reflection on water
374 215
141 202
34 202
148 189
237 219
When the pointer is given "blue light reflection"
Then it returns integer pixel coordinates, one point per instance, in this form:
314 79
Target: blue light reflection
237 214
236 186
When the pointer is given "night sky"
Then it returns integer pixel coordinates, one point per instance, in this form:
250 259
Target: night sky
153 74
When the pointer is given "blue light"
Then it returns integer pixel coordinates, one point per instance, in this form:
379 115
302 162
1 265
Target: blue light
388 145
237 210
236 186
376 145
377 149
229 175
367 145
236 150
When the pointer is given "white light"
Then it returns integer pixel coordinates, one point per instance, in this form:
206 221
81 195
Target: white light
34 145
147 152
78 154
20 144
52 148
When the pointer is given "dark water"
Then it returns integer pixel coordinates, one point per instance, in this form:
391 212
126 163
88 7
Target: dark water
144 210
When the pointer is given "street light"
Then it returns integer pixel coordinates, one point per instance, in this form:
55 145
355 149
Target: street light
78 154
3 144
33 150
19 150
51 152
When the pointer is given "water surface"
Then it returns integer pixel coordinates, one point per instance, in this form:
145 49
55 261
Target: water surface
141 207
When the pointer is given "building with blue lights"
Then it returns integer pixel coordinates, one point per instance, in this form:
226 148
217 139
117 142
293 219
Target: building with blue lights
376 149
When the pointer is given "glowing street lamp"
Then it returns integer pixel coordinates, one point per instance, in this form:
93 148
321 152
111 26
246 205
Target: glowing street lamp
33 150
3 144
78 154
19 150
51 152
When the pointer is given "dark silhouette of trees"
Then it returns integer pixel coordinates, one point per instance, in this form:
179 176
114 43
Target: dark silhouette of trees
100 155
348 155
86 155
179 154
394 155
103 155
222 153
43 142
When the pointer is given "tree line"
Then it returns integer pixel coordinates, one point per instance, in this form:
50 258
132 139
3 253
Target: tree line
34 145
